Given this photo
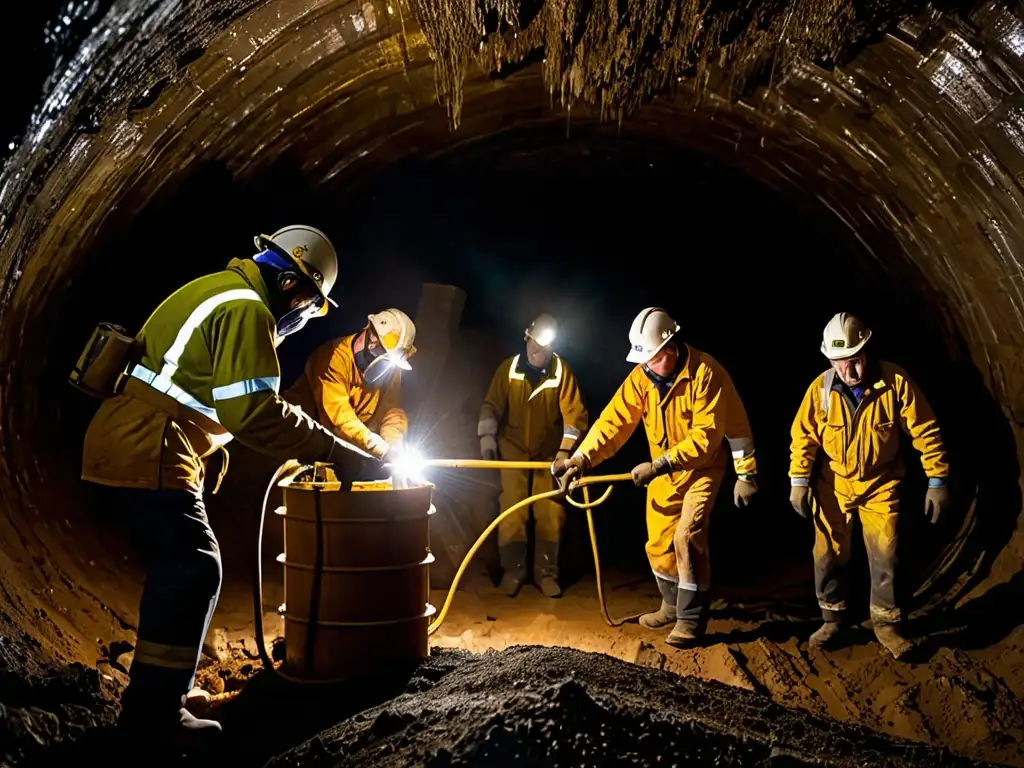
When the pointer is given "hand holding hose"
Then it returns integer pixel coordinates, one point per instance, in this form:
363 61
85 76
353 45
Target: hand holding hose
565 469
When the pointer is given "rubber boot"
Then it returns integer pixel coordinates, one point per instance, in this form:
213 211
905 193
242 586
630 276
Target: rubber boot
829 635
545 568
666 614
513 562
691 618
892 639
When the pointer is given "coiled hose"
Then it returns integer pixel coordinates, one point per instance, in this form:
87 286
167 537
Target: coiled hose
587 505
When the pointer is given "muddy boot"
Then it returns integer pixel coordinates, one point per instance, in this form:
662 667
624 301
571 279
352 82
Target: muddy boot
666 614
893 641
692 618
829 635
513 562
545 568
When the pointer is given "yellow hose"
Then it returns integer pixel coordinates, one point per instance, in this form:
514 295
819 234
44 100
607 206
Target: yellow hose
586 504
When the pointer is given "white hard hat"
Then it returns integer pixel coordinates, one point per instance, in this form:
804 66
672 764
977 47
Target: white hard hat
652 329
396 332
543 330
311 250
844 336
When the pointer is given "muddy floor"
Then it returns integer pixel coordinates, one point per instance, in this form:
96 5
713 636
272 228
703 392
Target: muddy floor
966 700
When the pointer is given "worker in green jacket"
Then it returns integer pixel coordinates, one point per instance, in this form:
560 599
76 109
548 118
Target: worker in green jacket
209 372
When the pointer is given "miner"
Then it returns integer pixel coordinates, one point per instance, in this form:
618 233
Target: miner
690 410
207 371
854 412
533 411
353 385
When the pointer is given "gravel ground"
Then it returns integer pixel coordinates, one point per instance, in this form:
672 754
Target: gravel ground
530 705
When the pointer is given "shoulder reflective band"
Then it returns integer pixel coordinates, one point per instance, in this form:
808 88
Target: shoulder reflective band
172 357
826 388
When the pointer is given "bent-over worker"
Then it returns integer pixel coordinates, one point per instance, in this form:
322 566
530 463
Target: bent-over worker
353 385
209 372
533 411
854 412
689 407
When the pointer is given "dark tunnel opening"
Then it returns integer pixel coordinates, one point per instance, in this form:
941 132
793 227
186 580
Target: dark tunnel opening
511 220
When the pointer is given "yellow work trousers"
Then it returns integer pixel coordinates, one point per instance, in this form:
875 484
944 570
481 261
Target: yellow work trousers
548 515
833 524
678 522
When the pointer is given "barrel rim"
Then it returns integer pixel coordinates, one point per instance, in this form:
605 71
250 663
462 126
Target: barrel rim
281 558
426 614
326 486
282 511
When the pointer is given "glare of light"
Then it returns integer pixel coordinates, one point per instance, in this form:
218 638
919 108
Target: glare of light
545 337
410 466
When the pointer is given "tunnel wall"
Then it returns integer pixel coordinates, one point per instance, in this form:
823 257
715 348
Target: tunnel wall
915 146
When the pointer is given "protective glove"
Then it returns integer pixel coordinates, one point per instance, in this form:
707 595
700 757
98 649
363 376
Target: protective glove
378 446
935 501
644 473
572 467
744 491
800 499
488 448
558 466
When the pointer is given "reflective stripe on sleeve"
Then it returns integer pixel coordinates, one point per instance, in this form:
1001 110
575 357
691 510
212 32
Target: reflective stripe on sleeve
247 387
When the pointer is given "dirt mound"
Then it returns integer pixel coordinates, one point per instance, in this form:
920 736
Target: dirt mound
530 705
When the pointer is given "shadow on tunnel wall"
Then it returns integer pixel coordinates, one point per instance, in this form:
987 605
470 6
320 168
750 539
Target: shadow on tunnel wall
515 234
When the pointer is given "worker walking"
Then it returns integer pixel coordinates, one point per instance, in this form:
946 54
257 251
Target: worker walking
353 385
854 412
533 411
207 371
690 408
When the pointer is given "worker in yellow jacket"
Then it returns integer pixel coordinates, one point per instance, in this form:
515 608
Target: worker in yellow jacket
353 385
208 373
533 411
690 409
854 412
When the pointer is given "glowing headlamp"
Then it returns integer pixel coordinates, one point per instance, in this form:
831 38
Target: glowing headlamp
545 338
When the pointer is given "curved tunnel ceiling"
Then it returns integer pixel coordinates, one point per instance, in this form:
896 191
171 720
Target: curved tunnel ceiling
916 145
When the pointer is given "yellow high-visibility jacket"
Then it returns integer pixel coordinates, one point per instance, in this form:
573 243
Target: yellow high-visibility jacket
533 423
690 424
210 355
332 389
863 446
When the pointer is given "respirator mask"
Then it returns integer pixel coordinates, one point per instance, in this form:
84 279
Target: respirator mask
374 364
292 313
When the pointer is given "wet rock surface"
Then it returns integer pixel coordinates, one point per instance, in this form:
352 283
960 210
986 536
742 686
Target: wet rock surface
50 706
557 706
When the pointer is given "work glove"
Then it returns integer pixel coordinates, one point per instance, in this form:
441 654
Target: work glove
488 448
568 469
744 491
936 500
644 473
379 447
800 499
559 465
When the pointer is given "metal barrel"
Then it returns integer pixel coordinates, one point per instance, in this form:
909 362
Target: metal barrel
356 578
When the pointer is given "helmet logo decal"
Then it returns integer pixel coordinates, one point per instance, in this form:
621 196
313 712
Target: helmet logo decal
838 343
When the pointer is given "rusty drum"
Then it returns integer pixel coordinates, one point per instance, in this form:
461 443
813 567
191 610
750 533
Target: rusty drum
356 577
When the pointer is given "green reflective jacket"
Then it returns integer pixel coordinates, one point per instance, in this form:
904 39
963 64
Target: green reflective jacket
211 360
